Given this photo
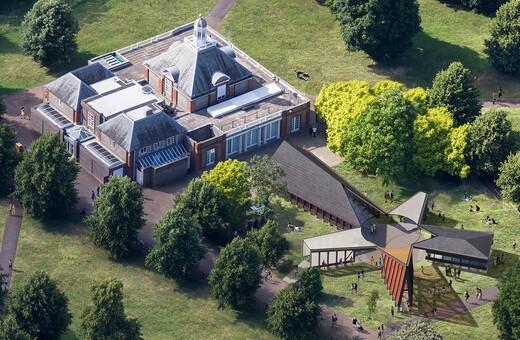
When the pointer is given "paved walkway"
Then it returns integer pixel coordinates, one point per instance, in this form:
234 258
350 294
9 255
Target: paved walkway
13 224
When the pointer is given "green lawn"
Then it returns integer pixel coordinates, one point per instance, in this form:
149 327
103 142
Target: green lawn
167 310
105 25
475 325
302 35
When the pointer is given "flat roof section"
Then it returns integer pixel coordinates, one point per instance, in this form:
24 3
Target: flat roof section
343 240
107 85
244 100
129 98
54 115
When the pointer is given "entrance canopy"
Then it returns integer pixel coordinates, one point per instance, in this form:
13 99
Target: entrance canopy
413 208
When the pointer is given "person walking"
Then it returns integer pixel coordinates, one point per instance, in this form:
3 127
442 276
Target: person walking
11 211
500 93
22 112
466 296
494 97
97 191
514 244
10 264
93 196
392 312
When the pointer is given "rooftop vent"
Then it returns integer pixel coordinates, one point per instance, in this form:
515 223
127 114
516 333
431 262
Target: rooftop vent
147 89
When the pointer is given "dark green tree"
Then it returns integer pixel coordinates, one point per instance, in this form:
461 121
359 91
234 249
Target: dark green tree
117 217
455 89
10 330
206 203
509 178
506 307
416 329
490 140
45 178
236 275
270 242
380 140
178 249
292 314
483 6
310 281
372 302
381 28
2 108
39 307
503 48
48 32
105 318
265 179
9 157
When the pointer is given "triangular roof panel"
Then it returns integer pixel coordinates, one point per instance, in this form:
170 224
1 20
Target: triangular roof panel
413 208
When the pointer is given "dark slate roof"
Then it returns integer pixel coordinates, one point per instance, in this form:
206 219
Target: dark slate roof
310 179
74 86
196 69
133 135
463 242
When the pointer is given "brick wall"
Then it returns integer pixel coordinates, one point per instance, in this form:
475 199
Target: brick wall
66 110
41 124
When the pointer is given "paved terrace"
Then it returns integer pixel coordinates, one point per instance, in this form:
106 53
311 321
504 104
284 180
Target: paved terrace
138 53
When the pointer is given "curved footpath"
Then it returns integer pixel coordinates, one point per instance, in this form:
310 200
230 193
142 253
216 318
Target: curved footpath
159 200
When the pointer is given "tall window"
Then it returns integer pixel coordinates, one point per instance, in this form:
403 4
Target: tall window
295 123
168 87
90 120
221 92
272 130
232 146
252 138
210 157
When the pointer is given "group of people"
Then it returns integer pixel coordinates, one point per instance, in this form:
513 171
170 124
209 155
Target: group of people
389 195
373 228
12 209
438 291
490 220
498 258
452 272
95 194
380 331
468 197
361 275
353 287
313 131
334 320
476 209
357 325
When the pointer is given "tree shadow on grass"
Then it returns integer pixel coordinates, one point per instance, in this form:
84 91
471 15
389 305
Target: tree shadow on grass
333 301
418 65
7 46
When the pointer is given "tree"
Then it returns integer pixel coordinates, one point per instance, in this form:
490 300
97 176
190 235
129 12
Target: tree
506 307
178 249
310 281
10 330
230 177
381 28
39 307
117 217
45 178
509 178
236 275
490 140
503 48
372 302
455 89
264 177
481 6
9 157
270 242
106 318
48 32
380 140
205 202
2 108
292 314
418 329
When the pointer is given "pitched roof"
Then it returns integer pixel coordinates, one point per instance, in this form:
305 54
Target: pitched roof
74 86
413 208
341 240
197 69
133 135
463 242
310 179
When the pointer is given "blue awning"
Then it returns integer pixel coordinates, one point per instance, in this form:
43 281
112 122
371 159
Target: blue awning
164 156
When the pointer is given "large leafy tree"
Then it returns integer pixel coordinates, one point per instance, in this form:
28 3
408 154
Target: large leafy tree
490 140
10 330
310 281
506 307
455 89
270 242
230 177
2 108
178 249
236 275
45 178
265 178
509 178
503 48
381 28
105 318
293 314
380 141
9 157
206 203
418 329
48 32
39 307
117 217
433 139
